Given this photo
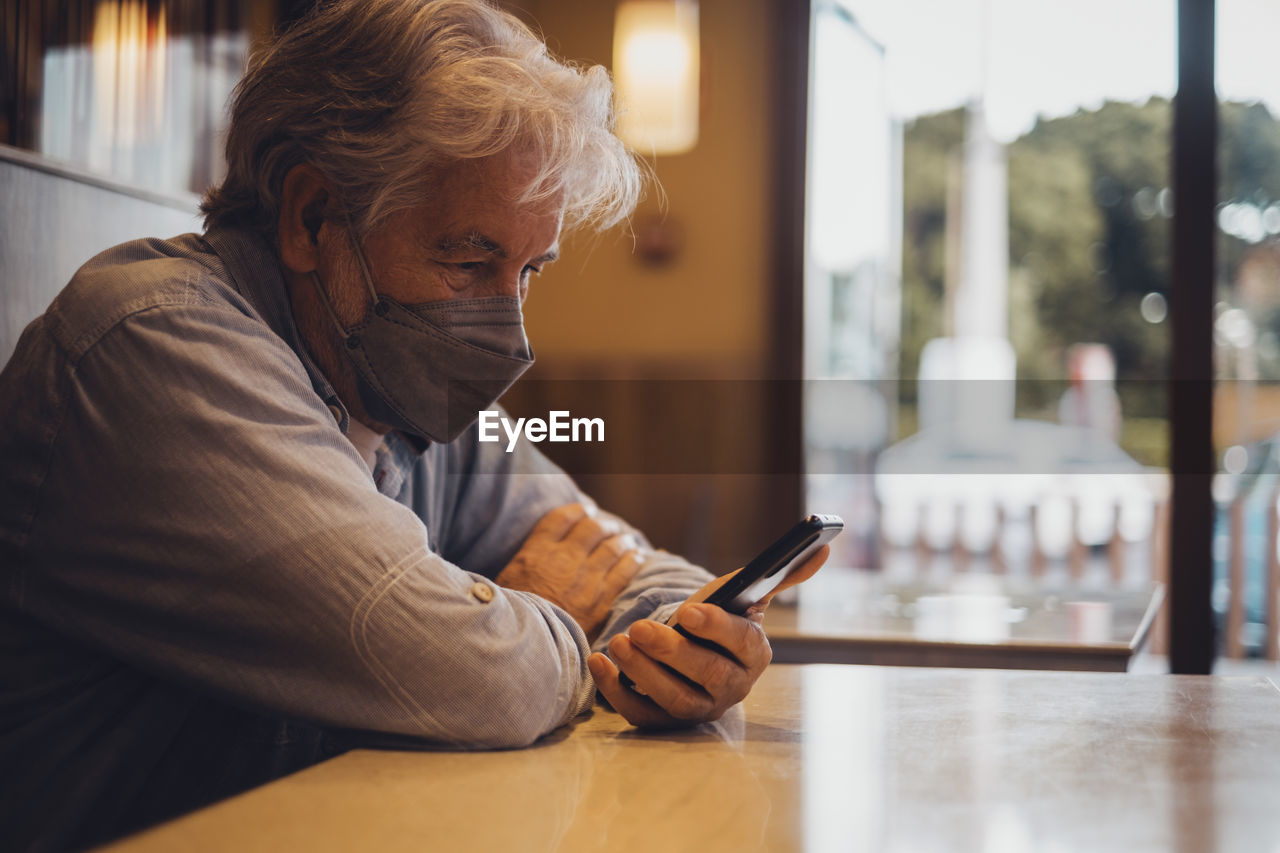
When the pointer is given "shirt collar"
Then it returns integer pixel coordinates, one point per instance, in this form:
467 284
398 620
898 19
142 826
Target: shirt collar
255 271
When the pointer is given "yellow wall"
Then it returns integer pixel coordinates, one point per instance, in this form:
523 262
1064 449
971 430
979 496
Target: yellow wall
706 311
600 313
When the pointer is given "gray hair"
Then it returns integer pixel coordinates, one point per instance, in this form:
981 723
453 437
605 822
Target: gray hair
377 93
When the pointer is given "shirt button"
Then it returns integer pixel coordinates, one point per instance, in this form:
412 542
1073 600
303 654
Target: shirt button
482 591
336 412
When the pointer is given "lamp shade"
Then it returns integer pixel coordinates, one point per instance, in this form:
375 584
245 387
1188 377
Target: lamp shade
656 74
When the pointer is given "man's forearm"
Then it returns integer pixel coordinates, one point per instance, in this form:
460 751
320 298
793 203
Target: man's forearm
664 582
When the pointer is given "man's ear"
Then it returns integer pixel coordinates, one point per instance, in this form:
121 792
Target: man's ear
304 198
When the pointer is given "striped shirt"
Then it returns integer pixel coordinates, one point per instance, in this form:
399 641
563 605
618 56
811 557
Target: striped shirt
205 586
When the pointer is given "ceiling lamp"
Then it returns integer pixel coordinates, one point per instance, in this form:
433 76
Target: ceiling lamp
656 74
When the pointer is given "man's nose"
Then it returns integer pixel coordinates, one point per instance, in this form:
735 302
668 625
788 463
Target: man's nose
511 283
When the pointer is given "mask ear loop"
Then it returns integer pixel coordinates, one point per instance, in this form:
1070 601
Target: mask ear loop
333 315
378 306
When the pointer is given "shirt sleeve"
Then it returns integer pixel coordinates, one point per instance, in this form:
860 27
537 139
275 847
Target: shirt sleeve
495 498
203 519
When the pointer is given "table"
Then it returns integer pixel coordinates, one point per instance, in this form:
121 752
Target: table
838 758
855 616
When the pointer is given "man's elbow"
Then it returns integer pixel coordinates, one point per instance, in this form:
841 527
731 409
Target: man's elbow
513 721
514 708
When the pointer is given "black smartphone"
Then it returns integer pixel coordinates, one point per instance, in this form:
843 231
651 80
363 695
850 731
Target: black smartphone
766 572
772 565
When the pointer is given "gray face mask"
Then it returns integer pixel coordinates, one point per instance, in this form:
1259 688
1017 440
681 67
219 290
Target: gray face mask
430 368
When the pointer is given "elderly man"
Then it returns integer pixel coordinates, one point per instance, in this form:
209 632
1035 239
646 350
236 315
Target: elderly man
245 520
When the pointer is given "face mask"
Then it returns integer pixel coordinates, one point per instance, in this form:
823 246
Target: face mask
429 369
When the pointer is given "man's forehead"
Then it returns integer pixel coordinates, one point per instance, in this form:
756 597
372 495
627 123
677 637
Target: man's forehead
508 173
478 206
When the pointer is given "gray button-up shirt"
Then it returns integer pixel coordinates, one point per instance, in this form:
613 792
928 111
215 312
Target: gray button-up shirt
194 557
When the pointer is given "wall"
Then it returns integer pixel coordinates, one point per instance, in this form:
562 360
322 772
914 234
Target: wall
707 311
600 313
53 219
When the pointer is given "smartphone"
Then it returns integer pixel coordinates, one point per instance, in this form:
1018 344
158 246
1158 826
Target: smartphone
766 572
772 565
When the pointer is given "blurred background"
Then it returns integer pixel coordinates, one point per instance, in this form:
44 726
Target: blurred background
907 261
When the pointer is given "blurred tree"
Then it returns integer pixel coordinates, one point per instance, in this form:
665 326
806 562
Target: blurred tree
1054 236
928 146
1089 209
1249 264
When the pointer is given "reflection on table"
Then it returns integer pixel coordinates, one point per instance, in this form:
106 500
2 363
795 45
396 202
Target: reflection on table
848 615
819 758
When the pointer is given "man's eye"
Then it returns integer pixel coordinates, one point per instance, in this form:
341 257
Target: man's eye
529 270
469 266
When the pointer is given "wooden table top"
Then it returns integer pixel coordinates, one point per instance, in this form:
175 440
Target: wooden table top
818 758
854 616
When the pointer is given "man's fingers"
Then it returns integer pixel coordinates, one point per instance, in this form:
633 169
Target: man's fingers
588 533
721 676
556 524
741 637
612 549
622 572
672 694
638 710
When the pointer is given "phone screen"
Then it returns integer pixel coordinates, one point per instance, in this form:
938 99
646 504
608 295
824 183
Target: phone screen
772 566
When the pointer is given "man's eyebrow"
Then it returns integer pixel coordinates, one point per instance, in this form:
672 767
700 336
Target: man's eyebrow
477 242
473 242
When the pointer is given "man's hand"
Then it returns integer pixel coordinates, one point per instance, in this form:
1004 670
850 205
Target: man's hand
714 682
575 562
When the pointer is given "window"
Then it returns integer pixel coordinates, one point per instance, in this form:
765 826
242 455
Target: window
133 90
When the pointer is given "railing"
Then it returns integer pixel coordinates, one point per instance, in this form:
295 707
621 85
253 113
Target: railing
1122 561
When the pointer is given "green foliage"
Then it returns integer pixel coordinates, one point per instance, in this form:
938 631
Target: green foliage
1249 153
1054 232
927 150
1089 232
1249 171
1146 439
